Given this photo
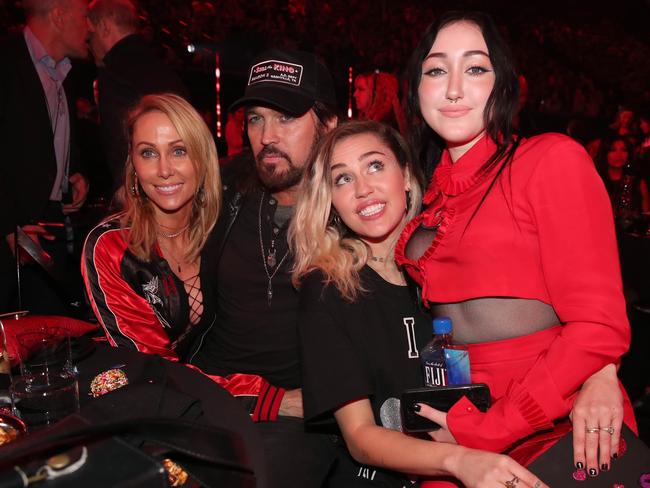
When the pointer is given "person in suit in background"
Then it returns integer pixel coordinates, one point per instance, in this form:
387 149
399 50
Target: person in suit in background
40 165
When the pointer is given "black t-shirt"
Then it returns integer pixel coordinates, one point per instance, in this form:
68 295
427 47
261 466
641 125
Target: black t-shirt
250 336
368 348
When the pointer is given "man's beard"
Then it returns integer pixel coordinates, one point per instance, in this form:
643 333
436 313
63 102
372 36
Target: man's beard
275 179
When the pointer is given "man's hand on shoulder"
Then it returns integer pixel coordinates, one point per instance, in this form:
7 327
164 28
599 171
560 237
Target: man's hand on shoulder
291 405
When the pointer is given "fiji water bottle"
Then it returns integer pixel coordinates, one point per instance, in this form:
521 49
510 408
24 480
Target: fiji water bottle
443 362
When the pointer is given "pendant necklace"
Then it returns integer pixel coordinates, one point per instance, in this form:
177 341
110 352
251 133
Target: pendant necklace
171 255
269 260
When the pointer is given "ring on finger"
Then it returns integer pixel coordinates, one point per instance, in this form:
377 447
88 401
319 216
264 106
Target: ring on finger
537 484
512 483
610 430
592 430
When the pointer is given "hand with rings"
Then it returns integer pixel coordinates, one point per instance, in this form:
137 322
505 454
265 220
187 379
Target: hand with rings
512 483
597 418
476 468
482 469
515 481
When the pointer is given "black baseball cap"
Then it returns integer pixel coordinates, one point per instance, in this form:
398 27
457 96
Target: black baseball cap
290 81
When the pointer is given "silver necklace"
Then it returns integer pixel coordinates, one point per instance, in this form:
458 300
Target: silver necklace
173 234
379 260
269 261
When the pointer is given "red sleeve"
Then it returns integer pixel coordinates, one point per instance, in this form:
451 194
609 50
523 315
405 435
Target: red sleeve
128 320
579 259
262 398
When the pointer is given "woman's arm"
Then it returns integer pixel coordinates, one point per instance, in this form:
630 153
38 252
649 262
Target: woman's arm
265 401
578 255
376 446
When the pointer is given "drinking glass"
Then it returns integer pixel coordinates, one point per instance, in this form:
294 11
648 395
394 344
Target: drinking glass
11 426
46 389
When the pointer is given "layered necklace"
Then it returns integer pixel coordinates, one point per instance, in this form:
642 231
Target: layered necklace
172 236
269 259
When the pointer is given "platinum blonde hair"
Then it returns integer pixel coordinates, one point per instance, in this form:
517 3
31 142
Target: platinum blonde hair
317 239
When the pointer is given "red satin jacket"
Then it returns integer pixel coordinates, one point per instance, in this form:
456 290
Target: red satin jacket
143 305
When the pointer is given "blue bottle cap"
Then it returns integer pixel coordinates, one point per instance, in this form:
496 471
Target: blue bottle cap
442 325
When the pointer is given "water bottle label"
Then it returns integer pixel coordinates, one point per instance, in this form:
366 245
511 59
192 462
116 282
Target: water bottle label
457 366
434 374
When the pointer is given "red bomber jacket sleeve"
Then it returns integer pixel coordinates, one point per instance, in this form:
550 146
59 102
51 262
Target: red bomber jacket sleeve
265 397
127 318
579 259
129 321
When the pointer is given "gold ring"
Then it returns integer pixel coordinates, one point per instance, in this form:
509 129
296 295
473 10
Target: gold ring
610 430
512 483
592 430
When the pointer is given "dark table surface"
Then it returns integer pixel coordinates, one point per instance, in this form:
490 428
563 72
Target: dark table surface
160 389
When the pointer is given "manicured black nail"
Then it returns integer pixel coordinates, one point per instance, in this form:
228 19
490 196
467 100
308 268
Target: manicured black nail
416 407
604 467
592 472
615 455
579 465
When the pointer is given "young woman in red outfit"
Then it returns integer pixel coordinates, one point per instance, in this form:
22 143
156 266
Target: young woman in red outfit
517 246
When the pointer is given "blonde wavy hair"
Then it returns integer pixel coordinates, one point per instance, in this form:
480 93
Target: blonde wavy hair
138 216
317 238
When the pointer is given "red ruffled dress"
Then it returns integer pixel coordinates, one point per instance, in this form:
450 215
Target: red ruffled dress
545 232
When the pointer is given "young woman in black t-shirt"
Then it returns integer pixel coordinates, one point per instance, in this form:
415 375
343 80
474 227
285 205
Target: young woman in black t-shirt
359 330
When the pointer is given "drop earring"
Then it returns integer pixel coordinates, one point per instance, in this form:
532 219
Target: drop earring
134 186
200 196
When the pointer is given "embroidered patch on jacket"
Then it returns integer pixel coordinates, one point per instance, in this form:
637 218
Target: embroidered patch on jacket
151 294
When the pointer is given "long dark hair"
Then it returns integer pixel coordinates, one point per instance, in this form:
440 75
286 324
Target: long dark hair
602 164
501 105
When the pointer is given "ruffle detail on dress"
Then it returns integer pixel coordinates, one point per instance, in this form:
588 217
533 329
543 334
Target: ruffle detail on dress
454 178
529 408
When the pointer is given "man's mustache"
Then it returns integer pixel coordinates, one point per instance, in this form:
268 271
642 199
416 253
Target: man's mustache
272 151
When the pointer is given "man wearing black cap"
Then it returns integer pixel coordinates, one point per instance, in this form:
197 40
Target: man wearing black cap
290 103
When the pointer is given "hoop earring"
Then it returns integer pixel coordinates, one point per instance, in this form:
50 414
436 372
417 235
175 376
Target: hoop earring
134 187
200 196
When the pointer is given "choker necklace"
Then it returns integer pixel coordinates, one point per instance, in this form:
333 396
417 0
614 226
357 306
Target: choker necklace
173 234
268 260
